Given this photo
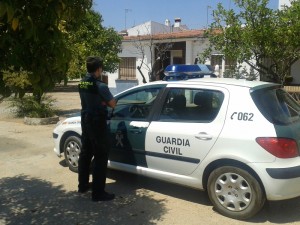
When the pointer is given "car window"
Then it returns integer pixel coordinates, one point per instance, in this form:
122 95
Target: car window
194 105
135 105
277 105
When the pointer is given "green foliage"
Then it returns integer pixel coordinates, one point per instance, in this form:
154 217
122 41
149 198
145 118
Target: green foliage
30 107
17 81
267 40
91 38
32 38
241 72
42 42
4 90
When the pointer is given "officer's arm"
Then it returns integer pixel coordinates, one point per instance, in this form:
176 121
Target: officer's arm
112 103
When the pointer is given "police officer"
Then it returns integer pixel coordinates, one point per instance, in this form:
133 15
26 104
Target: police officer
95 97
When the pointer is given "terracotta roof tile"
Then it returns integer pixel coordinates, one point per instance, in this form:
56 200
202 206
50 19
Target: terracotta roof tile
173 35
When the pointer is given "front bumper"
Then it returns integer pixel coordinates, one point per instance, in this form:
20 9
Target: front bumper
54 135
56 148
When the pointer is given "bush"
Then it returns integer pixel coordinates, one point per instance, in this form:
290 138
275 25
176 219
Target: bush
30 107
17 81
240 73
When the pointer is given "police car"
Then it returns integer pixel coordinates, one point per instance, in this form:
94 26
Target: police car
237 139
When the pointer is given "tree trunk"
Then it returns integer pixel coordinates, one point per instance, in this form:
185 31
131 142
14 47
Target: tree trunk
38 97
144 80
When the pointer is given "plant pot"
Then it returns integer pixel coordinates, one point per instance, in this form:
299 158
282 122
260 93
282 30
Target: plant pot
41 121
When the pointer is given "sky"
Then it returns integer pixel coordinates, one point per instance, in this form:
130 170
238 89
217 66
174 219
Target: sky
196 14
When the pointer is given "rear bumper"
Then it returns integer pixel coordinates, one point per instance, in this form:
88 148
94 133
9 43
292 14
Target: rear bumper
284 173
281 180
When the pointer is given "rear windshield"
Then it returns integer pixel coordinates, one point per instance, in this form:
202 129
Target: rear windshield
279 107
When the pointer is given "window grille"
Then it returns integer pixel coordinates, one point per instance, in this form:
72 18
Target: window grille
127 68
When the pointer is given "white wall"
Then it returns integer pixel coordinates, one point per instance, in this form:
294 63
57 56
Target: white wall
189 52
151 28
148 28
198 47
295 72
283 2
112 77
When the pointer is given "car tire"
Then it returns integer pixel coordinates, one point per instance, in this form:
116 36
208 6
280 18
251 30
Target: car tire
235 193
72 148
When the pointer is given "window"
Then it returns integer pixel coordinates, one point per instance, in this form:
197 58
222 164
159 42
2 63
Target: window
277 105
191 105
216 60
230 63
136 105
127 68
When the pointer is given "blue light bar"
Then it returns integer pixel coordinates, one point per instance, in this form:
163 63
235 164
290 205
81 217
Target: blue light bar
181 68
185 72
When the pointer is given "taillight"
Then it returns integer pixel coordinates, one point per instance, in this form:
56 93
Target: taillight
279 147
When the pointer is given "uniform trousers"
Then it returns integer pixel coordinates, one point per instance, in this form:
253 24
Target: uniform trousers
94 153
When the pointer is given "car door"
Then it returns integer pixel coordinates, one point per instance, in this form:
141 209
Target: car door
186 128
129 123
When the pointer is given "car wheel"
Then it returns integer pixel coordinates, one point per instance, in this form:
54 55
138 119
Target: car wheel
72 148
235 193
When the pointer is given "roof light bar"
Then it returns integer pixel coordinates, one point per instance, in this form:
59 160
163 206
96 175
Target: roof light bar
185 72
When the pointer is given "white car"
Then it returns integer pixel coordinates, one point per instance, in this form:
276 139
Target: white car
237 139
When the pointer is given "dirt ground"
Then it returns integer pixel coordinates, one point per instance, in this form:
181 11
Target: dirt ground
36 187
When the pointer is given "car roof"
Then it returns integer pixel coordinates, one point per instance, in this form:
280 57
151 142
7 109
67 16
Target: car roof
225 82
221 81
231 81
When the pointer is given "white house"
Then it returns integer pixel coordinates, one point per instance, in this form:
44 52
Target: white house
152 28
139 50
180 46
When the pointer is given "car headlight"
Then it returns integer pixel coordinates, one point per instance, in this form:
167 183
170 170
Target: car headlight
73 122
58 123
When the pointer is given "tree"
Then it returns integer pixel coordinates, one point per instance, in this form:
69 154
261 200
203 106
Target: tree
91 38
267 40
147 42
32 38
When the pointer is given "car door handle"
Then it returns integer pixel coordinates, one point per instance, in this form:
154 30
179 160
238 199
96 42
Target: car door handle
137 127
135 130
203 136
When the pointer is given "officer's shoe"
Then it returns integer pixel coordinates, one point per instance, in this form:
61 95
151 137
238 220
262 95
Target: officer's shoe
103 197
84 189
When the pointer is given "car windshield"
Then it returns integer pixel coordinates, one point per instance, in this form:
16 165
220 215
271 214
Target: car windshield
279 107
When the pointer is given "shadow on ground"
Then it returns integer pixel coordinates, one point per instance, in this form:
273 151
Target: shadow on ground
131 181
278 212
27 200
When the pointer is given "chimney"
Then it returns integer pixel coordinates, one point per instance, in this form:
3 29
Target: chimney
177 22
167 22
